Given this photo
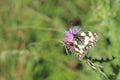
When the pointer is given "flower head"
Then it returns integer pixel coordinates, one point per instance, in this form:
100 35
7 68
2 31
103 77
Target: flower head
68 40
70 34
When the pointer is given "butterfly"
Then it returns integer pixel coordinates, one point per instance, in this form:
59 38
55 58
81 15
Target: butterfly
81 41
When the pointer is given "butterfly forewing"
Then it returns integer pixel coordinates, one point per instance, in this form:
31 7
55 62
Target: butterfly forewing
90 39
83 41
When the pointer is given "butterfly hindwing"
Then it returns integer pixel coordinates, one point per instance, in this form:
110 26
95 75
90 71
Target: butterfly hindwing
80 49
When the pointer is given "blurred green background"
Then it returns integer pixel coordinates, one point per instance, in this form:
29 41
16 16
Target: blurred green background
31 31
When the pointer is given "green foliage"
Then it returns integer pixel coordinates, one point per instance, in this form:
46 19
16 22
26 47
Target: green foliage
31 31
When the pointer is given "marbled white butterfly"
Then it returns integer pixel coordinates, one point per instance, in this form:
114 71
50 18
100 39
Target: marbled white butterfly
80 41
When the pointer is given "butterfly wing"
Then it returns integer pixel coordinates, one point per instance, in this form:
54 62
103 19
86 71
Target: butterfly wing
83 41
80 49
89 38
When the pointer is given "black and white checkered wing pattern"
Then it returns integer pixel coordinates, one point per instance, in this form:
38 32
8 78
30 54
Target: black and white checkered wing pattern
83 41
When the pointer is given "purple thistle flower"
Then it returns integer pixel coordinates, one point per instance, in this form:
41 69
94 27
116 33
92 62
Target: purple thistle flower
68 40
